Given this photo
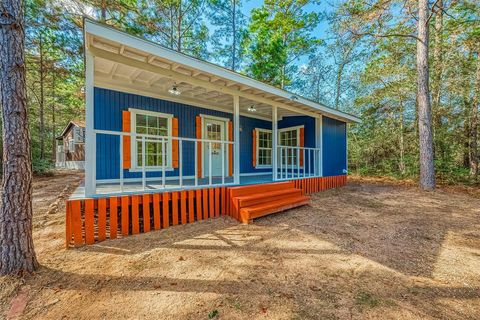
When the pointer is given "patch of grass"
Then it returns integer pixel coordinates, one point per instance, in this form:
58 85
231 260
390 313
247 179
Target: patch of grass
390 303
213 314
366 299
235 303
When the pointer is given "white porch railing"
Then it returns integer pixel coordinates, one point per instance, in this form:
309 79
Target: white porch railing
168 181
297 162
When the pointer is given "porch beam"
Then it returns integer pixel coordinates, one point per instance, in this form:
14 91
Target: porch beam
236 137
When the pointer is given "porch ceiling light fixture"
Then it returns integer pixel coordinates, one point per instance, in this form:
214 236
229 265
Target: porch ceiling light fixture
252 108
174 90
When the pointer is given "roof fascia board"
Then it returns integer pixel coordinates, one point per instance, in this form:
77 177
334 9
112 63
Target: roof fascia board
67 128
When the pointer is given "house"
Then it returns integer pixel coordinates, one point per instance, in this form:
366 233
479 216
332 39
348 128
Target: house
172 139
71 146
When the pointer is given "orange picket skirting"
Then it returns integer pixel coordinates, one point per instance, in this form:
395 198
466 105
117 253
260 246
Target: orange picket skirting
89 221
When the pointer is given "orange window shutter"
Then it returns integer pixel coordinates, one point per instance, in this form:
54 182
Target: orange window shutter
302 144
175 143
254 148
230 148
198 131
126 125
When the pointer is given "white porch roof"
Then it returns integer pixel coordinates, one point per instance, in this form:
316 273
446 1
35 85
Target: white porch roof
130 64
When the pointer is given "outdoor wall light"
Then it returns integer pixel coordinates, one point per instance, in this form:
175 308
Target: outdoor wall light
252 108
174 90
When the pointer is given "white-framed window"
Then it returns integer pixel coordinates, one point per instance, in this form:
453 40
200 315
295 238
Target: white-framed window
264 148
145 122
79 135
71 145
289 137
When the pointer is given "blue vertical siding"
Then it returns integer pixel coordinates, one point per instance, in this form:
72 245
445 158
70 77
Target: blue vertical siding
334 141
247 125
309 136
108 109
307 122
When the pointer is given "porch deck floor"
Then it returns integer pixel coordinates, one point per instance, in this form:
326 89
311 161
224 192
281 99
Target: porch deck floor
110 189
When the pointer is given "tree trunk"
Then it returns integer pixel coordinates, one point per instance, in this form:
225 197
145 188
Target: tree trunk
402 143
234 34
42 100
16 245
474 122
179 27
54 128
103 11
437 80
172 28
284 66
338 84
427 169
438 60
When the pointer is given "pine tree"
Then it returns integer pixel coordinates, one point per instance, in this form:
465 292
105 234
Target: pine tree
279 33
17 254
177 24
229 21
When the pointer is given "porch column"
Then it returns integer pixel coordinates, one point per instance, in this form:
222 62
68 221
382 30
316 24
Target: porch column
319 144
236 136
274 142
90 139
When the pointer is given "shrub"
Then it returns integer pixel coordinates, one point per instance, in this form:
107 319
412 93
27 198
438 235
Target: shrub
42 167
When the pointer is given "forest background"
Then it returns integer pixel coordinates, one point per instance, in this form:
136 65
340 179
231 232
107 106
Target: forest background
353 55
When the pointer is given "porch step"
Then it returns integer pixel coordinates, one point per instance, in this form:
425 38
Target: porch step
251 200
263 209
254 201
260 188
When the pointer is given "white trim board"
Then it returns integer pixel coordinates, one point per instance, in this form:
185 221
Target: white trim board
207 116
291 128
266 173
126 180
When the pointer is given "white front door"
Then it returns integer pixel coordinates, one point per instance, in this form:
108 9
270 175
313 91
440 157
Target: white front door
213 129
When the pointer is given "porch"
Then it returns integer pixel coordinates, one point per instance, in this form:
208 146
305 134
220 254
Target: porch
93 220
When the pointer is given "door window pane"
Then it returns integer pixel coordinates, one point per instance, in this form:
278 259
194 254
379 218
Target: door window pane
289 138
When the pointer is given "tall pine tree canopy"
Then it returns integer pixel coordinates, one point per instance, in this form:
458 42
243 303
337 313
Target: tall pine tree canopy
356 56
280 32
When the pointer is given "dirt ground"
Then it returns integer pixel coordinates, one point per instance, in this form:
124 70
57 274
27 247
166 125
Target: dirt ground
367 251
